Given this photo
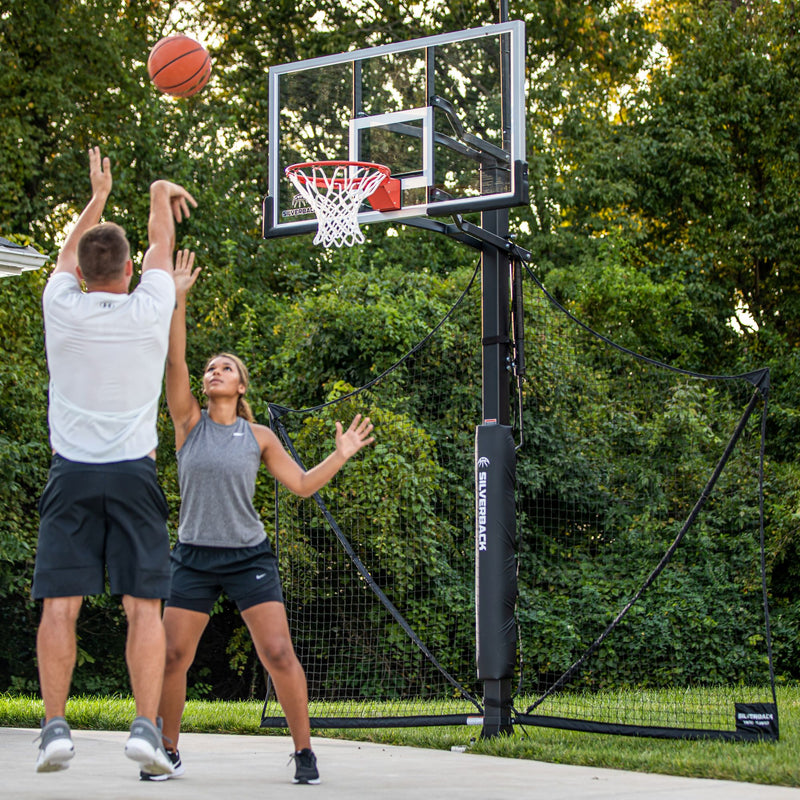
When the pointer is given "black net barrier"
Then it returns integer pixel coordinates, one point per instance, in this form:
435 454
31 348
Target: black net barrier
640 578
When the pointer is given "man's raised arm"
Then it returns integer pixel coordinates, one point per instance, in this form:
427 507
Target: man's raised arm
100 176
169 203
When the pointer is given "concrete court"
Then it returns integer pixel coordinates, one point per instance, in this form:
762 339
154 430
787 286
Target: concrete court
227 767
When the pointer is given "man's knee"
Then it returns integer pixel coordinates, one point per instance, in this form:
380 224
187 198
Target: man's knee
62 611
142 609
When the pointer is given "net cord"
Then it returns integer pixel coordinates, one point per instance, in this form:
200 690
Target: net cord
277 411
665 559
379 593
759 378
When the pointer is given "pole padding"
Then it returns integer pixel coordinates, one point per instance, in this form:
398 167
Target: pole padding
495 551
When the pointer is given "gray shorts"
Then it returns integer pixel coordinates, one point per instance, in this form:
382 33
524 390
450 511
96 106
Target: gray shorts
98 517
200 574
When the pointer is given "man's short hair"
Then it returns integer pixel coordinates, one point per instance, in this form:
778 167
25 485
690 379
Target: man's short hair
102 252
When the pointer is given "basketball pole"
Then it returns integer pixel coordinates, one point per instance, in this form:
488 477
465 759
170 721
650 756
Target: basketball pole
495 507
495 477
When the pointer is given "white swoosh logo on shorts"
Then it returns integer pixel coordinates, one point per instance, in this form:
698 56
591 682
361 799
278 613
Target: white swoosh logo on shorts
262 575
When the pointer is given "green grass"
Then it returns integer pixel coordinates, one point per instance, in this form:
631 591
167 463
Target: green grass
774 763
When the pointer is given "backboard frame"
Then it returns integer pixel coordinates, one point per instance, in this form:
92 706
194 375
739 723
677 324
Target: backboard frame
419 122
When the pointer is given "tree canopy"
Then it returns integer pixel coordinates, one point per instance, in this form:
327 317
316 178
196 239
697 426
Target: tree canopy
664 156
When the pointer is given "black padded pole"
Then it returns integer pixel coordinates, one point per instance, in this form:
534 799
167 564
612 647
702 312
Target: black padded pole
495 589
495 572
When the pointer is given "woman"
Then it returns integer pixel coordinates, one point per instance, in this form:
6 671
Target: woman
222 545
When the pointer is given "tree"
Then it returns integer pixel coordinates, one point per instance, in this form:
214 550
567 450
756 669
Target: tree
663 198
721 177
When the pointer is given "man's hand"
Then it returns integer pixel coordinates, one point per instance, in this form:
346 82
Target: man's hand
100 177
182 273
179 198
167 200
99 173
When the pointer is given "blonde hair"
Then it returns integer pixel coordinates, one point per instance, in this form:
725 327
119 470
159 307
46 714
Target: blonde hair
242 406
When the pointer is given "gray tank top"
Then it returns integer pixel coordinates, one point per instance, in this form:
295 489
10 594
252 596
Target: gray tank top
217 468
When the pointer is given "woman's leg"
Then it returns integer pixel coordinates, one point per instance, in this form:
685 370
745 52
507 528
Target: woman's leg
269 628
183 630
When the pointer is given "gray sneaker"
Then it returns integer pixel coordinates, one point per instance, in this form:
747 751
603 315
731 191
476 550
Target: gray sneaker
55 748
144 746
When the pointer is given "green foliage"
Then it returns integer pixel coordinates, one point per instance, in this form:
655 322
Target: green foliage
353 327
664 186
24 457
618 294
723 177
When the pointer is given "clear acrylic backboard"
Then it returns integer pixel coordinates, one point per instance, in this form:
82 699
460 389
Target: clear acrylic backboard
445 113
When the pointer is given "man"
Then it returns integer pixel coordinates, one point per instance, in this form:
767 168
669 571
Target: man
102 508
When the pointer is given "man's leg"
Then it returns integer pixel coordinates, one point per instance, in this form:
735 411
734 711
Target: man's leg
56 649
145 651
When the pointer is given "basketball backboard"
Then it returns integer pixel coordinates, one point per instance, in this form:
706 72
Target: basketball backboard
445 113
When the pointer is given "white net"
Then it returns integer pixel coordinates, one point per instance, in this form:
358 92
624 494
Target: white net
335 191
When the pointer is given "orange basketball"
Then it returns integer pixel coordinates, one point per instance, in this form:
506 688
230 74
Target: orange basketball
178 65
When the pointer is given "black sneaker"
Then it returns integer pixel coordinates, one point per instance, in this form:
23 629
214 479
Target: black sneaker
56 747
177 769
305 763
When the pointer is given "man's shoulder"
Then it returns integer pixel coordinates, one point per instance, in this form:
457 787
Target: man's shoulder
60 283
156 276
158 284
59 280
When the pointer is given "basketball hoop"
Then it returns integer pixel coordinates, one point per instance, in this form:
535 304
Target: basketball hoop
335 191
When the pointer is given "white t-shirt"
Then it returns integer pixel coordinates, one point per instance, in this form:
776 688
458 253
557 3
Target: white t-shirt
106 355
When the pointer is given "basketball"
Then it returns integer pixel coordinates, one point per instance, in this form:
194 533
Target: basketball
178 65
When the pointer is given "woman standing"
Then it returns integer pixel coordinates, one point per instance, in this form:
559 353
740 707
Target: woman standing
222 545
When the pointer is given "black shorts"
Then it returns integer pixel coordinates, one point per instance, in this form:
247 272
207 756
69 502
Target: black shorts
94 517
248 575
